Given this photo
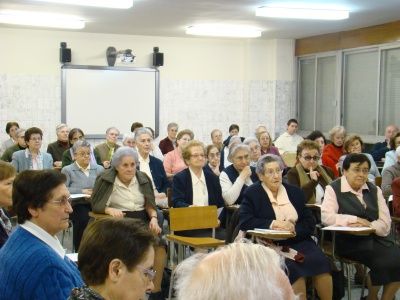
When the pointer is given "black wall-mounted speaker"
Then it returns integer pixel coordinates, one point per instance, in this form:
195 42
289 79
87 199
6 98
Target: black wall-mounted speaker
158 59
65 55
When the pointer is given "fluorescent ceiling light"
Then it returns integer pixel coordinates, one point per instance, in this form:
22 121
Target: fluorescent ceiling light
301 13
16 17
98 3
224 30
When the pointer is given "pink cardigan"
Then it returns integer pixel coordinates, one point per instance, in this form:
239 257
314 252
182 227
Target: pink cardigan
173 162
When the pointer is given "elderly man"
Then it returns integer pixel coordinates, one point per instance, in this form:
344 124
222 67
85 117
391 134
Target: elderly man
20 145
288 141
380 149
235 272
169 143
57 148
106 150
390 174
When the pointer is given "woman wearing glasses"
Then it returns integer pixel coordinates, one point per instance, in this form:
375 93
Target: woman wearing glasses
271 204
116 261
81 176
32 262
308 174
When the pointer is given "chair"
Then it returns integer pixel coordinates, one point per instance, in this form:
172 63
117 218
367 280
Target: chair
191 218
289 158
378 181
329 249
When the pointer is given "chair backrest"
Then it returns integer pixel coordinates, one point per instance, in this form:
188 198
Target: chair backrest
289 158
378 181
196 217
396 197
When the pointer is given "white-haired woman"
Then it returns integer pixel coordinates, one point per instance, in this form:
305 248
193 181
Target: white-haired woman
255 150
125 191
333 151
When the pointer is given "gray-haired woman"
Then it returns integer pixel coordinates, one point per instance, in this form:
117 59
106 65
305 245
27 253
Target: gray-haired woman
125 191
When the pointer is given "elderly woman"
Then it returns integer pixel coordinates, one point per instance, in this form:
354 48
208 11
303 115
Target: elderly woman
11 128
271 204
224 161
124 191
81 176
353 201
57 148
238 176
318 137
152 166
332 152
354 144
116 261
76 134
308 175
255 150
389 175
174 162
32 158
128 139
196 186
266 143
7 175
213 159
32 262
390 156
20 145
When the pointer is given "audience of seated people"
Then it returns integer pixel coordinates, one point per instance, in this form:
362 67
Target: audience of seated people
214 175
173 161
354 144
57 148
333 151
379 150
74 135
288 141
81 176
20 145
106 150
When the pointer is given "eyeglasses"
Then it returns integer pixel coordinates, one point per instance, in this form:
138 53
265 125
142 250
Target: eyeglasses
62 201
83 153
35 139
149 273
314 158
359 170
197 155
272 173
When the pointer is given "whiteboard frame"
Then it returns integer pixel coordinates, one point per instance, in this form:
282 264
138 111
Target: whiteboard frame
64 69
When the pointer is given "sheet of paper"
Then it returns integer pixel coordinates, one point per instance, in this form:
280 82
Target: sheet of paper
75 196
72 256
271 231
346 228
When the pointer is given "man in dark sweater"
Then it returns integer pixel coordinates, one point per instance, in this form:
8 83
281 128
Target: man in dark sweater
20 145
57 148
379 150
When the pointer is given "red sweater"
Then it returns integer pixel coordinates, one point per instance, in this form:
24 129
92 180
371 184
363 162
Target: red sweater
330 157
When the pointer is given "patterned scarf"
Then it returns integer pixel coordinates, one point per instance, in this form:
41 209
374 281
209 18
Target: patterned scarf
5 221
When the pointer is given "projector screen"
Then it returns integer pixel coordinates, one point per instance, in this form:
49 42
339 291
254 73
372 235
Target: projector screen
95 98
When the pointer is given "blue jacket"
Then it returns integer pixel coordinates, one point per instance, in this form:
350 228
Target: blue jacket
22 163
157 170
31 270
256 211
182 195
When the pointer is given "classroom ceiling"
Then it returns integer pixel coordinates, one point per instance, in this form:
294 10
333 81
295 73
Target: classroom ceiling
171 17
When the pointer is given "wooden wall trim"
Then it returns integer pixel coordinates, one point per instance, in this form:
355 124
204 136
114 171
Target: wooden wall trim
367 36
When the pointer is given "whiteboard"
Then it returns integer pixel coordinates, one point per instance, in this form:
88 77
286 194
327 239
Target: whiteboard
94 98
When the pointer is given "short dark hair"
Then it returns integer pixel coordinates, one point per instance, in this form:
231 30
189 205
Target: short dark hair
32 130
357 158
72 132
393 141
32 189
136 125
315 135
234 126
292 121
9 125
109 238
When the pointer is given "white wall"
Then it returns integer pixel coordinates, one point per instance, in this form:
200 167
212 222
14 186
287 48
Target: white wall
205 83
